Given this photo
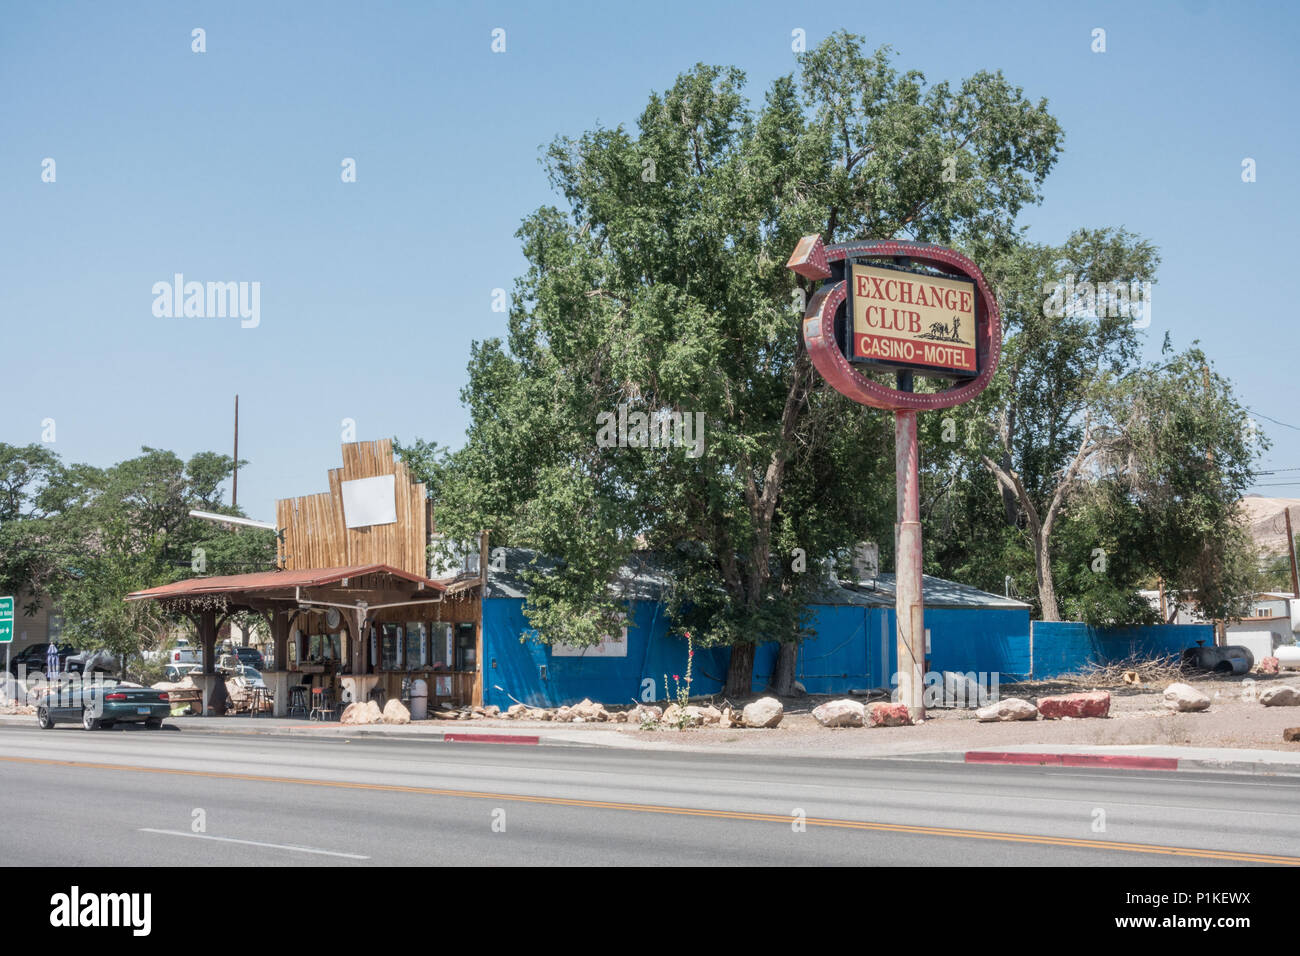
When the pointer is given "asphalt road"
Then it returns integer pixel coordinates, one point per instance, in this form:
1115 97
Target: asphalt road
129 796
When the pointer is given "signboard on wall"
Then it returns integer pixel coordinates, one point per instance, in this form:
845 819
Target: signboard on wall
615 646
369 501
904 319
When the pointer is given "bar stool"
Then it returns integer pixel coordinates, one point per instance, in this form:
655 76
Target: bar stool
322 703
298 700
256 700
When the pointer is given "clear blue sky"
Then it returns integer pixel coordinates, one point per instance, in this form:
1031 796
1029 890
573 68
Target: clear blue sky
226 166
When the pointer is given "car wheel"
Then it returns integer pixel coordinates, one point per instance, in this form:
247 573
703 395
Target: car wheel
43 718
89 721
154 723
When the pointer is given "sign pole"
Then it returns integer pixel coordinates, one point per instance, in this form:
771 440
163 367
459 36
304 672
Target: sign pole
7 633
928 311
909 607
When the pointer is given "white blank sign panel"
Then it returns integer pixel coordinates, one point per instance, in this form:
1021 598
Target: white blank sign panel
368 501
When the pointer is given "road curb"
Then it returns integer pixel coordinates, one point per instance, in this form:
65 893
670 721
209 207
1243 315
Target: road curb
1118 762
1112 761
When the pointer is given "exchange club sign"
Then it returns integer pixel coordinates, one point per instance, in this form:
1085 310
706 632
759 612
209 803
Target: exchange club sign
890 305
905 319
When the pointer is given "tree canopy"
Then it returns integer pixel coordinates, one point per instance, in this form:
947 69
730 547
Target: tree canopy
659 293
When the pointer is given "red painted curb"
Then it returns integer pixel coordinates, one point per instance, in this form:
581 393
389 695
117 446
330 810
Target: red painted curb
1116 761
493 738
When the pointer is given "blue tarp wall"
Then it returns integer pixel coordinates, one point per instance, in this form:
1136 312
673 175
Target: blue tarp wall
854 648
512 668
1061 647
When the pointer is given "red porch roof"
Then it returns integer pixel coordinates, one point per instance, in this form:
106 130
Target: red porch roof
274 581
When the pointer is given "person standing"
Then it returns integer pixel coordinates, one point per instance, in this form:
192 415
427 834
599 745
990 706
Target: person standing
51 660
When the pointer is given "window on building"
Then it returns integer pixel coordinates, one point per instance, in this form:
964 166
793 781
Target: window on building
417 649
323 647
441 646
390 647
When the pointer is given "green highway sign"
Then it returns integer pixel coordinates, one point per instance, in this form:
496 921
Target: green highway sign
6 620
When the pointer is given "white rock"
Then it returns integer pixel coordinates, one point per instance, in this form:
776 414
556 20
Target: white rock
764 712
1008 708
1184 697
360 714
840 713
1283 696
395 712
642 713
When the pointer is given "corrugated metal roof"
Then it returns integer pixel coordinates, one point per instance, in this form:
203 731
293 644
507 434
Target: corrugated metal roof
642 578
645 578
935 592
274 581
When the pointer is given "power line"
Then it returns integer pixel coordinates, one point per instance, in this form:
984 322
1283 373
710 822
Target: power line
1273 420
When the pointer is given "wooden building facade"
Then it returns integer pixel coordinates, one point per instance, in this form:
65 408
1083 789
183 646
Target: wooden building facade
352 609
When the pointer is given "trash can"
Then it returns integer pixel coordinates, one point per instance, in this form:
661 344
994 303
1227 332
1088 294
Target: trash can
419 700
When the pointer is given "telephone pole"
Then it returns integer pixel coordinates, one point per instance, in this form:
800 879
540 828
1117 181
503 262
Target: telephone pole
234 490
1290 550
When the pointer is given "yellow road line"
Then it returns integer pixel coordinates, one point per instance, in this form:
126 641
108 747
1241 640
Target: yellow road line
952 832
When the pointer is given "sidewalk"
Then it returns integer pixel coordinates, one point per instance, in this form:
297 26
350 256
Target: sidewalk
855 744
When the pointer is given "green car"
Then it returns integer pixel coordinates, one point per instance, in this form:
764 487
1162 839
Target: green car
96 703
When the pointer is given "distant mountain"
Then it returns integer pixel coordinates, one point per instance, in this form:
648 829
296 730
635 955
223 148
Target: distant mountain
1267 523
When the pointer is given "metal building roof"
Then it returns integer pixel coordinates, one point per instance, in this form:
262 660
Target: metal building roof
645 578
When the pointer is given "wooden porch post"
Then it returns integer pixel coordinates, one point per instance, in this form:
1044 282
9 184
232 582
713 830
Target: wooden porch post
361 641
280 639
208 641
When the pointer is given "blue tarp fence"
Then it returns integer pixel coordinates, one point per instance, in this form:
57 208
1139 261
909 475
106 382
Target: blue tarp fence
1063 647
854 649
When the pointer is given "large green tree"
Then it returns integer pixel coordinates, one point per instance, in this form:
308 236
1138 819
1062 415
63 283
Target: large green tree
1113 473
660 289
84 537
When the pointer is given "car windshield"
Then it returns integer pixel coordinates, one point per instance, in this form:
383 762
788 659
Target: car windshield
250 673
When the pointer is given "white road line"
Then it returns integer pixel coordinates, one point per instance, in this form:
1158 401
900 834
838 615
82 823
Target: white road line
273 846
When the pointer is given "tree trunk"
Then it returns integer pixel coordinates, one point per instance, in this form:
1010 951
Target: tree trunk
740 672
1046 586
1010 504
782 683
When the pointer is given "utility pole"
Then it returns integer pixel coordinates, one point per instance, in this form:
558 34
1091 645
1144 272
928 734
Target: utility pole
1220 626
1290 550
234 490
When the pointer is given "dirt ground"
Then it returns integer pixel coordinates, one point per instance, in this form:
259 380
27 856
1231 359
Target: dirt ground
1137 717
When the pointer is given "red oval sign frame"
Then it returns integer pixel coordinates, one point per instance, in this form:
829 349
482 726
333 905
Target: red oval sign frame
812 259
